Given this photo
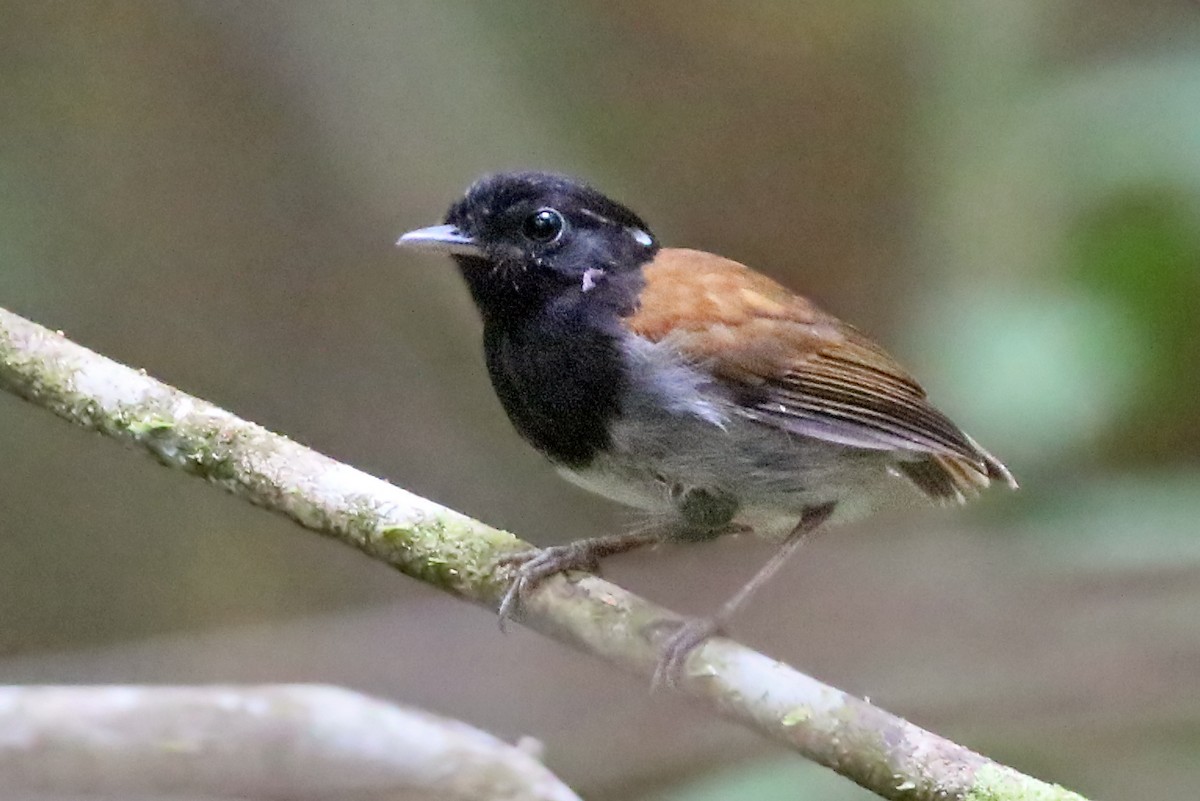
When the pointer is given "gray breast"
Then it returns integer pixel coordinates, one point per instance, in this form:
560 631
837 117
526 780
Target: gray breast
679 429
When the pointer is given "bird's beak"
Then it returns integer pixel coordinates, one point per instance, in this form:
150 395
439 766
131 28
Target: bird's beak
440 239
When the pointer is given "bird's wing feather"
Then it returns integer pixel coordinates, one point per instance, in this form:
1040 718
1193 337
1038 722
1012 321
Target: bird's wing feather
791 365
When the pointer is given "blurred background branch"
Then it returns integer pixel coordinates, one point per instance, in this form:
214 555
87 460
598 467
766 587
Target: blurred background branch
298 742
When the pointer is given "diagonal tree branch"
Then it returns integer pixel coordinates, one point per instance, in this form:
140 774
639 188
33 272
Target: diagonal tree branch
879 751
293 741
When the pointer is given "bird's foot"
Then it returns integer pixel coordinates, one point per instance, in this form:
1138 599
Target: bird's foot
679 645
538 564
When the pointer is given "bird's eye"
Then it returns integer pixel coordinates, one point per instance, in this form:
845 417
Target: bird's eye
544 225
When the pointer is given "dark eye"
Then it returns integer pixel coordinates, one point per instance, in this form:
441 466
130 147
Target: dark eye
544 225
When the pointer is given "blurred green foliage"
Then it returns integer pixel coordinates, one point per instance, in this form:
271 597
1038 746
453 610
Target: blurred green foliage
1140 252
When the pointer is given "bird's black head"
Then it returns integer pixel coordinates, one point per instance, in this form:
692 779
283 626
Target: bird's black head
523 238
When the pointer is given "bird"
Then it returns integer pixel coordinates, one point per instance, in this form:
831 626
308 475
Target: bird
685 385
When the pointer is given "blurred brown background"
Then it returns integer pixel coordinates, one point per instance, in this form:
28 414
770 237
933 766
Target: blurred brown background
1005 193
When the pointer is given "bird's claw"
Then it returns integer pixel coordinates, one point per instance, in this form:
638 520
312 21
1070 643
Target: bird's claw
538 564
678 646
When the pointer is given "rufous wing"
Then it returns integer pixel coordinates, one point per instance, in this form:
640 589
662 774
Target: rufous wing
797 368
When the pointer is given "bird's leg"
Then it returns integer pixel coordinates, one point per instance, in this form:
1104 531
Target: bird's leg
680 644
537 564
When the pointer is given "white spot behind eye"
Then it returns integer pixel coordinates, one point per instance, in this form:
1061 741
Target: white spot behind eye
641 237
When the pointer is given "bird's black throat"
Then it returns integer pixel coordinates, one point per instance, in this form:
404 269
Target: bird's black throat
558 368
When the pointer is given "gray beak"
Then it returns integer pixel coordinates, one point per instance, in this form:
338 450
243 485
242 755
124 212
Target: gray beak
440 239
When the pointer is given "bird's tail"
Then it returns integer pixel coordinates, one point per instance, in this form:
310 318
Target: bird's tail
957 479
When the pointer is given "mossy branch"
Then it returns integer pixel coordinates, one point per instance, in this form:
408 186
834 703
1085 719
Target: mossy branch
879 751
